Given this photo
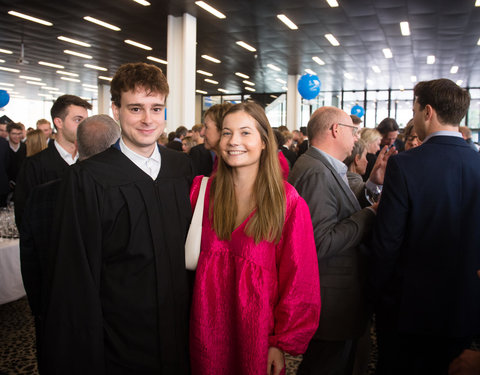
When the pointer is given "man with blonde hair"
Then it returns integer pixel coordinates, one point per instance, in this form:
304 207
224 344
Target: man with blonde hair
45 127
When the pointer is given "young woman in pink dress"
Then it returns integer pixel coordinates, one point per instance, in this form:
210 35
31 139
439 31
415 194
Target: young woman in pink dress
256 292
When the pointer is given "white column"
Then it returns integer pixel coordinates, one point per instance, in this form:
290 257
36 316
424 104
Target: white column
104 99
181 56
294 102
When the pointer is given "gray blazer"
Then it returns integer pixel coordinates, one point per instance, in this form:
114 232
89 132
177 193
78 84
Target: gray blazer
339 226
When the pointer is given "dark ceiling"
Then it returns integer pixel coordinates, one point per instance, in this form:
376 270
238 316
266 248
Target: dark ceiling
449 30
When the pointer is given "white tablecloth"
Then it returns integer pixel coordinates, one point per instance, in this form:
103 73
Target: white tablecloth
11 284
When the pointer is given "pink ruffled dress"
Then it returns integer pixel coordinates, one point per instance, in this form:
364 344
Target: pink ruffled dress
250 297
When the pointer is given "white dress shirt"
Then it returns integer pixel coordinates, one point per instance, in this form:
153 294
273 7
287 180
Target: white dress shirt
150 165
65 154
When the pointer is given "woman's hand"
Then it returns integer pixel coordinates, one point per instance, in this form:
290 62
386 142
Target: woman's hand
275 361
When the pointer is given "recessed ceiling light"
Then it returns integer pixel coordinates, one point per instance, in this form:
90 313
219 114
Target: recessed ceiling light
223 90
210 58
287 21
49 88
95 67
318 60
7 84
246 46
281 81
156 59
459 82
90 86
413 78
249 83
274 67
70 79
334 42
67 73
249 88
30 18
405 28
210 9
2 61
387 52
36 83
51 65
9 70
430 59
139 45
376 69
477 3
454 68
83 55
101 23
242 75
29 78
73 41
204 73
142 2
332 3
8 52
105 78
347 75
9 89
201 92
310 71
211 81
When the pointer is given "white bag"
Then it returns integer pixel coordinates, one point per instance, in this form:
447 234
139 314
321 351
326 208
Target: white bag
194 236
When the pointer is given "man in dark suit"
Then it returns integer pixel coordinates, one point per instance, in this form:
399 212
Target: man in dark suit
18 150
339 225
425 246
67 112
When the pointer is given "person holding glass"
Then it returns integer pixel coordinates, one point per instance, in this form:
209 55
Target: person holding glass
256 292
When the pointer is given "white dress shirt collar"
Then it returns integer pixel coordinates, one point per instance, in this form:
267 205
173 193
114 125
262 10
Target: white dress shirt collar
65 154
150 165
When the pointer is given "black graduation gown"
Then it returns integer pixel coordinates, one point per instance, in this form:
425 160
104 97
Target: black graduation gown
17 158
119 300
38 169
202 160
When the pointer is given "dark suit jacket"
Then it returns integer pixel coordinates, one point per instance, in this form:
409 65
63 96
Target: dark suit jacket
426 245
302 147
5 161
289 155
38 169
202 160
17 158
339 226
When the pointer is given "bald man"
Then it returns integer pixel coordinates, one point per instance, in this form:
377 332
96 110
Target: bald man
339 225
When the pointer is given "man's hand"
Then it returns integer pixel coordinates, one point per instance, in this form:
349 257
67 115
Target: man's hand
467 363
378 171
275 362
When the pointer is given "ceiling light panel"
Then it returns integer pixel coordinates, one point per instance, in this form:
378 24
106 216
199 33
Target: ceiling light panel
249 89
70 79
101 23
211 81
249 83
274 67
246 46
139 45
101 68
73 41
332 3
405 28
210 9
387 52
287 21
430 59
333 41
78 54
242 75
8 52
9 70
318 60
376 69
67 73
51 65
310 71
105 78
212 59
143 2
204 73
29 78
156 59
454 68
30 18
201 92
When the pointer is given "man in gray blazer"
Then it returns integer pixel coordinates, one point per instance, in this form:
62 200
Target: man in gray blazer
339 226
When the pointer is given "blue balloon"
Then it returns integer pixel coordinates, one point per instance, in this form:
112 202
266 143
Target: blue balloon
309 86
4 98
357 110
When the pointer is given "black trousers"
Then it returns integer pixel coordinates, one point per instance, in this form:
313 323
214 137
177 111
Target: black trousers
328 358
412 354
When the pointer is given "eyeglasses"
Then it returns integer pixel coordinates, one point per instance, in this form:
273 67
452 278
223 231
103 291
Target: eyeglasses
353 127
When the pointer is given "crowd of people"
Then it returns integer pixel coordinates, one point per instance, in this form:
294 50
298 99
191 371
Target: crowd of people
306 236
